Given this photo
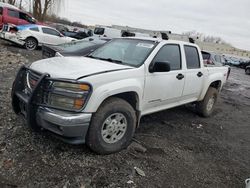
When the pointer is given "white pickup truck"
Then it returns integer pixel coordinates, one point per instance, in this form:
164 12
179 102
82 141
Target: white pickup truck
99 99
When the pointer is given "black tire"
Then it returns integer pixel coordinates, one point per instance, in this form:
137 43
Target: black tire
202 107
31 43
111 106
247 71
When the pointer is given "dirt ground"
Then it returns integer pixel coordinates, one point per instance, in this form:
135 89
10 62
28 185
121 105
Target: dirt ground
183 149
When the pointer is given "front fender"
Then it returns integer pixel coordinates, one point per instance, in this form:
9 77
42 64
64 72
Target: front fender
110 89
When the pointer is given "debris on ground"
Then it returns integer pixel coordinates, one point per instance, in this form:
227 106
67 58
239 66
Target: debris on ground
139 171
137 147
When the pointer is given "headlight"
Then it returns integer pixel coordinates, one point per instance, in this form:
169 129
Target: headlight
67 95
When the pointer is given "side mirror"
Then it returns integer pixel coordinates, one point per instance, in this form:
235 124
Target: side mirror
160 67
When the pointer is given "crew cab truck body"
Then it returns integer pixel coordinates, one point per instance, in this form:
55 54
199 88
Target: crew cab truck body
99 100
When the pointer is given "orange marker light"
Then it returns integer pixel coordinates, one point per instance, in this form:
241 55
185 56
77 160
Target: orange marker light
84 87
78 103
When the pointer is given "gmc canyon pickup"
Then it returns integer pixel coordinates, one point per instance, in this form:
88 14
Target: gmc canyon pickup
99 99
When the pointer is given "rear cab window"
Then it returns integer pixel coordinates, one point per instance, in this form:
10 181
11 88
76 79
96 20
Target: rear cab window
192 57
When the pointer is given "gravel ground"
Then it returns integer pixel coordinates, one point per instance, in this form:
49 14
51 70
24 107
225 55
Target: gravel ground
182 149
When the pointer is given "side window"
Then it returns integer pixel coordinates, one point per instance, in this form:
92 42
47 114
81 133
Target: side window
1 11
170 53
34 29
50 31
26 17
13 13
192 57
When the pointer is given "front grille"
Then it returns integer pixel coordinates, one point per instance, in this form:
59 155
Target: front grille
32 79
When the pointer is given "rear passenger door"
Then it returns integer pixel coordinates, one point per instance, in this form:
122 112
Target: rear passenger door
194 74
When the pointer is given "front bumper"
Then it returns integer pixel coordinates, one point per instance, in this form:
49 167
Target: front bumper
70 127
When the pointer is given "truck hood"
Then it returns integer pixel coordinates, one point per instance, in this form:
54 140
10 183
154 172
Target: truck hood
75 67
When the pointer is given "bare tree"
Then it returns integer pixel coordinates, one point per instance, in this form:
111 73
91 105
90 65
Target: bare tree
12 2
41 8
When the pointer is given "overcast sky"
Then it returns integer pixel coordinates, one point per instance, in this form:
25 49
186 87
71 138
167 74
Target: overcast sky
229 19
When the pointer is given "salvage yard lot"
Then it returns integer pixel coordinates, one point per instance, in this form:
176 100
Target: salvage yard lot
183 149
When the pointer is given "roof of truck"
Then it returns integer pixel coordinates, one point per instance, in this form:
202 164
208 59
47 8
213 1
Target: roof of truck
162 40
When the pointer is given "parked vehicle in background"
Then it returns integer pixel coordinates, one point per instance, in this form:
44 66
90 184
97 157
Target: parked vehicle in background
244 63
32 36
12 15
75 48
247 70
60 28
212 59
107 32
77 35
232 61
99 99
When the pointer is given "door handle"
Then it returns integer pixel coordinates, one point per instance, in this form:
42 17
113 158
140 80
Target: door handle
199 74
180 76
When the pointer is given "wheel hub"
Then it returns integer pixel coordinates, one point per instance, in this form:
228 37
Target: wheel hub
114 128
210 103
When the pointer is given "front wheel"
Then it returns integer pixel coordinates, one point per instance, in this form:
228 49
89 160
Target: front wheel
112 127
206 107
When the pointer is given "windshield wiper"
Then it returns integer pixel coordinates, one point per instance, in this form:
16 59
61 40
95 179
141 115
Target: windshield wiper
106 59
111 60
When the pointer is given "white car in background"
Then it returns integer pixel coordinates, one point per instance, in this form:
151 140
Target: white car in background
32 36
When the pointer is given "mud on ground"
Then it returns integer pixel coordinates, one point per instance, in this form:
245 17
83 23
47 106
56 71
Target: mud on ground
183 149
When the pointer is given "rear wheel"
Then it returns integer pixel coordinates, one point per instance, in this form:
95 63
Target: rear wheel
31 43
112 127
206 107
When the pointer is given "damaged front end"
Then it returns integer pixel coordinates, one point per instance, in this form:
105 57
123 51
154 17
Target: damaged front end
52 104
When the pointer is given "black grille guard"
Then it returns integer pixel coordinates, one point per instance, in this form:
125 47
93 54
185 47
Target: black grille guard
18 95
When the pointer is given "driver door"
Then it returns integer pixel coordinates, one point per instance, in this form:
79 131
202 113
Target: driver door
163 89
